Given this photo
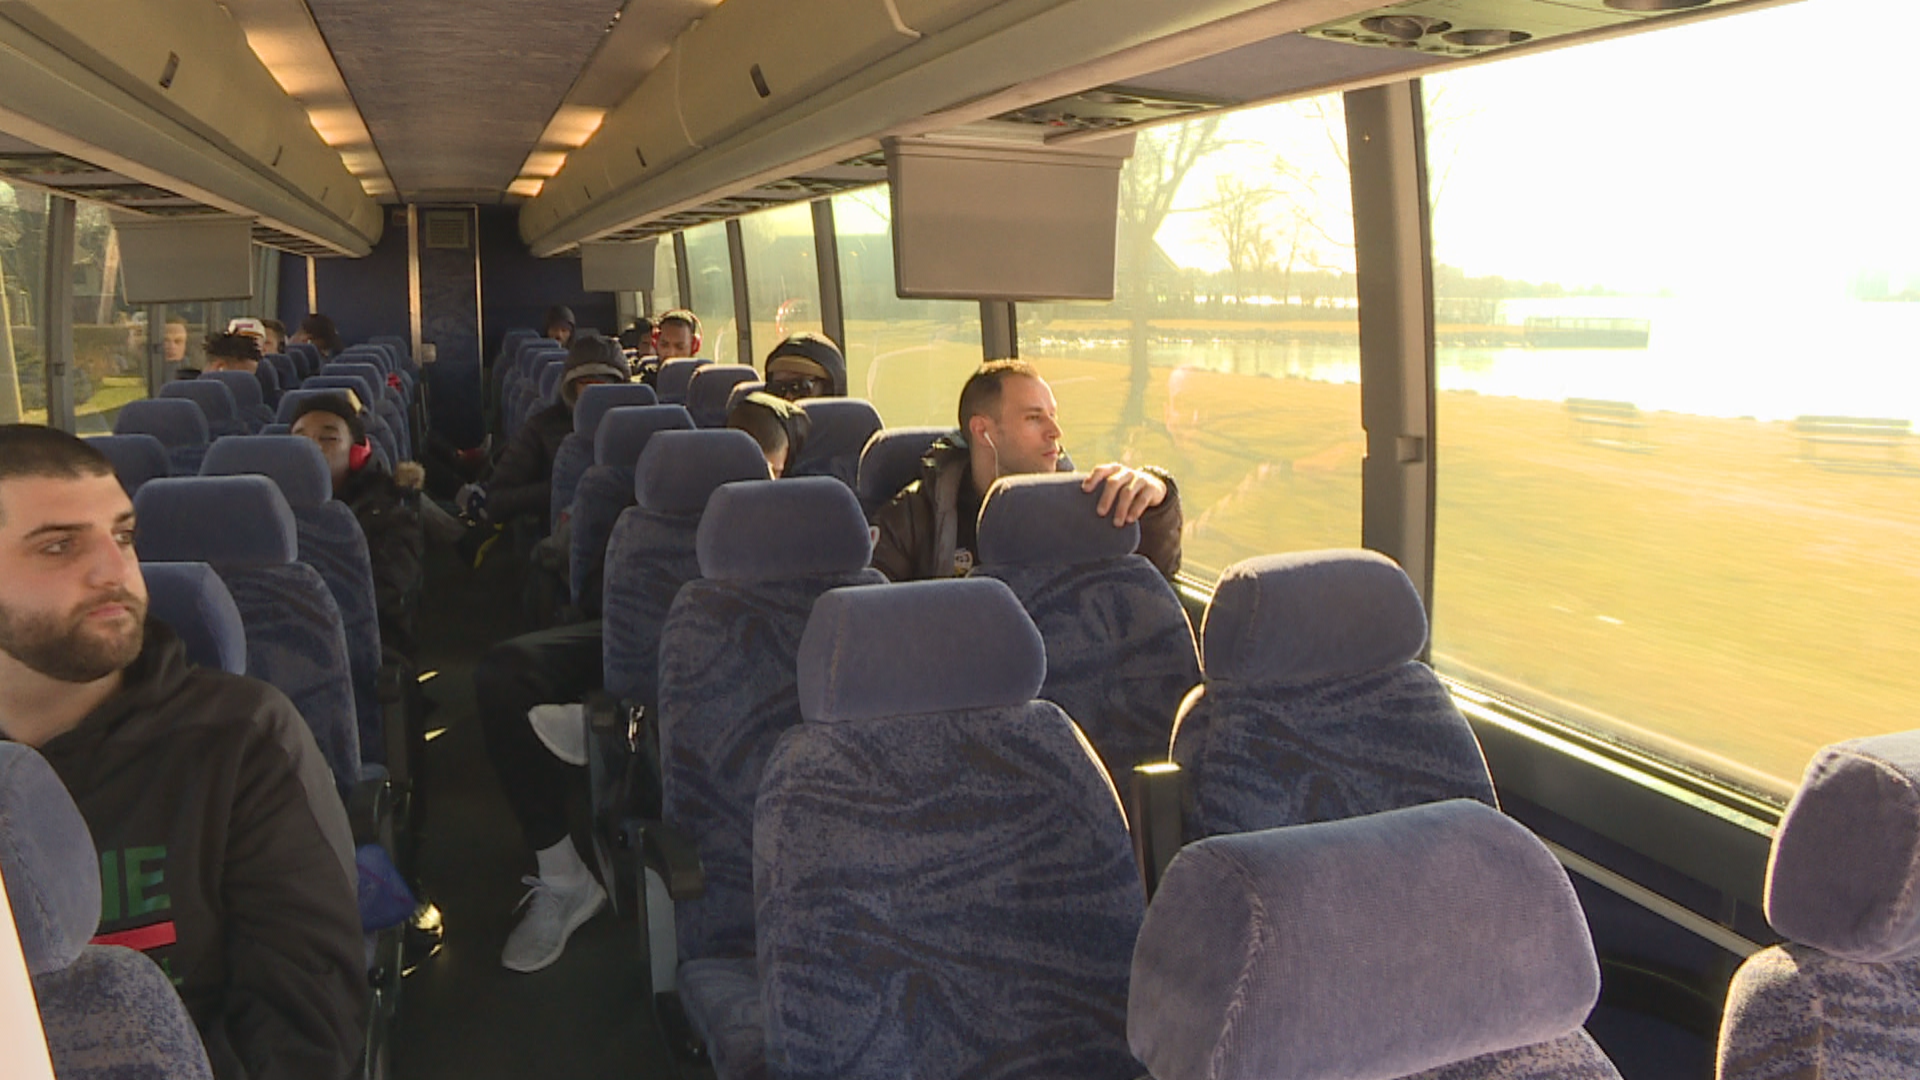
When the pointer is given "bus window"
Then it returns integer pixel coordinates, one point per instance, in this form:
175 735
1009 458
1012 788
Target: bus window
109 334
712 278
1679 489
1230 354
909 357
23 269
783 284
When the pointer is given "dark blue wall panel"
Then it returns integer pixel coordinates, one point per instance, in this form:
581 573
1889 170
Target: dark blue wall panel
516 288
450 318
369 296
291 304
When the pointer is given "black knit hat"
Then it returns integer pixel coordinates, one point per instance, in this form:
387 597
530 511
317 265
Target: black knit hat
591 356
558 313
336 405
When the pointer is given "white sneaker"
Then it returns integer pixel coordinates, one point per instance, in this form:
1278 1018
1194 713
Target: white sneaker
562 730
553 914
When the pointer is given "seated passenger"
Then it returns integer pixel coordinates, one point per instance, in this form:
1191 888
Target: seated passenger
1008 427
387 506
275 340
319 331
778 425
676 336
233 351
638 338
523 477
559 324
806 365
173 349
225 852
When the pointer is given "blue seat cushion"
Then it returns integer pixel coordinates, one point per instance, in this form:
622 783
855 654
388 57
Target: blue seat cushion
722 999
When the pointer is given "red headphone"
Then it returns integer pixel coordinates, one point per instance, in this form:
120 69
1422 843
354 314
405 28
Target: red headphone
358 453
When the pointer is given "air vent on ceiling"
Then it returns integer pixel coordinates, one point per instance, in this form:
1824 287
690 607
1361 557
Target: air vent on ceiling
1109 108
446 230
1462 28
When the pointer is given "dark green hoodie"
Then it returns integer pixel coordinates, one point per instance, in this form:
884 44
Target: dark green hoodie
225 856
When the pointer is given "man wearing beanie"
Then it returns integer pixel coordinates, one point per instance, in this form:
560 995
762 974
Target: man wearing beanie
524 474
806 365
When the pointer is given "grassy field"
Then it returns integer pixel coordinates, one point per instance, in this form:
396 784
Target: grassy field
1710 592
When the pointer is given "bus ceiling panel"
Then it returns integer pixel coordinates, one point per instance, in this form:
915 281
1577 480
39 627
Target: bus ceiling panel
457 92
1002 57
167 94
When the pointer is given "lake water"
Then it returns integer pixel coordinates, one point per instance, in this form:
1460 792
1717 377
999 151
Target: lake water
1705 357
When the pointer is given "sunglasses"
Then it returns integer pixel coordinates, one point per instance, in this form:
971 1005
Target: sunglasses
794 387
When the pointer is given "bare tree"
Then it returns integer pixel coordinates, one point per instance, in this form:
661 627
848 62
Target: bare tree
1239 228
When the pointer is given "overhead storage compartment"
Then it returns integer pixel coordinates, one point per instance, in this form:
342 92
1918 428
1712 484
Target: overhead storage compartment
933 16
170 93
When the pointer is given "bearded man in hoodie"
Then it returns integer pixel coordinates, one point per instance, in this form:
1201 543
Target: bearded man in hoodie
224 849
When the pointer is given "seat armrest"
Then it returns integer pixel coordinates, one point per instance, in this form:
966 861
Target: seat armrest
369 805
1154 798
670 853
395 681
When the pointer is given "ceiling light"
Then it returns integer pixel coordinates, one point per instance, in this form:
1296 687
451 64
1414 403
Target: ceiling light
527 186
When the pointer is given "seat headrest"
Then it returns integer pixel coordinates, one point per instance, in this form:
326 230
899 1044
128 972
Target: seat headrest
192 600
290 401
529 346
1290 619
1845 872
361 387
674 377
296 465
245 386
595 401
175 423
211 395
550 373
770 530
626 429
47 858
362 368
223 520
739 394
1377 946
1048 519
840 428
136 458
891 460
872 651
711 387
679 470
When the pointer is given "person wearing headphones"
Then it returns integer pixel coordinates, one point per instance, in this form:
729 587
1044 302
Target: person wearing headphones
1008 427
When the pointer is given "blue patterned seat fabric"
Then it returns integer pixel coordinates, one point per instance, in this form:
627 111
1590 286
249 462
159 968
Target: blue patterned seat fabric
331 542
179 425
943 881
108 1012
674 377
386 402
711 388
1841 999
527 397
839 430
136 458
1441 940
766 551
1120 652
1314 706
606 489
249 398
575 455
305 356
214 399
243 527
890 461
651 553
289 375
192 600
271 387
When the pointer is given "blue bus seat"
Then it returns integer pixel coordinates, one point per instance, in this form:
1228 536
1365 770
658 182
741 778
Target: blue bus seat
197 606
738 394
283 366
575 455
108 1012
136 458
840 428
214 400
180 426
1441 940
711 387
1841 997
249 397
1120 651
306 357
890 461
606 488
939 861
1315 706
268 377
674 377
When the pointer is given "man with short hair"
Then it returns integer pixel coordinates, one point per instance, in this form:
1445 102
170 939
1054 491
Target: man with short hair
233 351
225 853
1008 427
275 340
778 425
173 343
523 477
677 337
806 365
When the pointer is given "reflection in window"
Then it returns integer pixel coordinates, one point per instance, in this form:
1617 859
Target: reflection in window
1679 494
908 357
666 278
1231 352
783 284
23 262
109 335
712 279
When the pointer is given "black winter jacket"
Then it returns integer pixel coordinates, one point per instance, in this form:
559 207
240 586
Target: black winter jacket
225 856
388 508
523 477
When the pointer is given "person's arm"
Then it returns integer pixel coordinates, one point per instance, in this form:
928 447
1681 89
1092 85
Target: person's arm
295 1002
523 477
398 552
893 546
1147 495
1160 529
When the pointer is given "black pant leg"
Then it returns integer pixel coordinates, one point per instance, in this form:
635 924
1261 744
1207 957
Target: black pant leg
548 667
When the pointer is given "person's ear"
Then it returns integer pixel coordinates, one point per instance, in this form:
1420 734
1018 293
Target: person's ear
976 425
